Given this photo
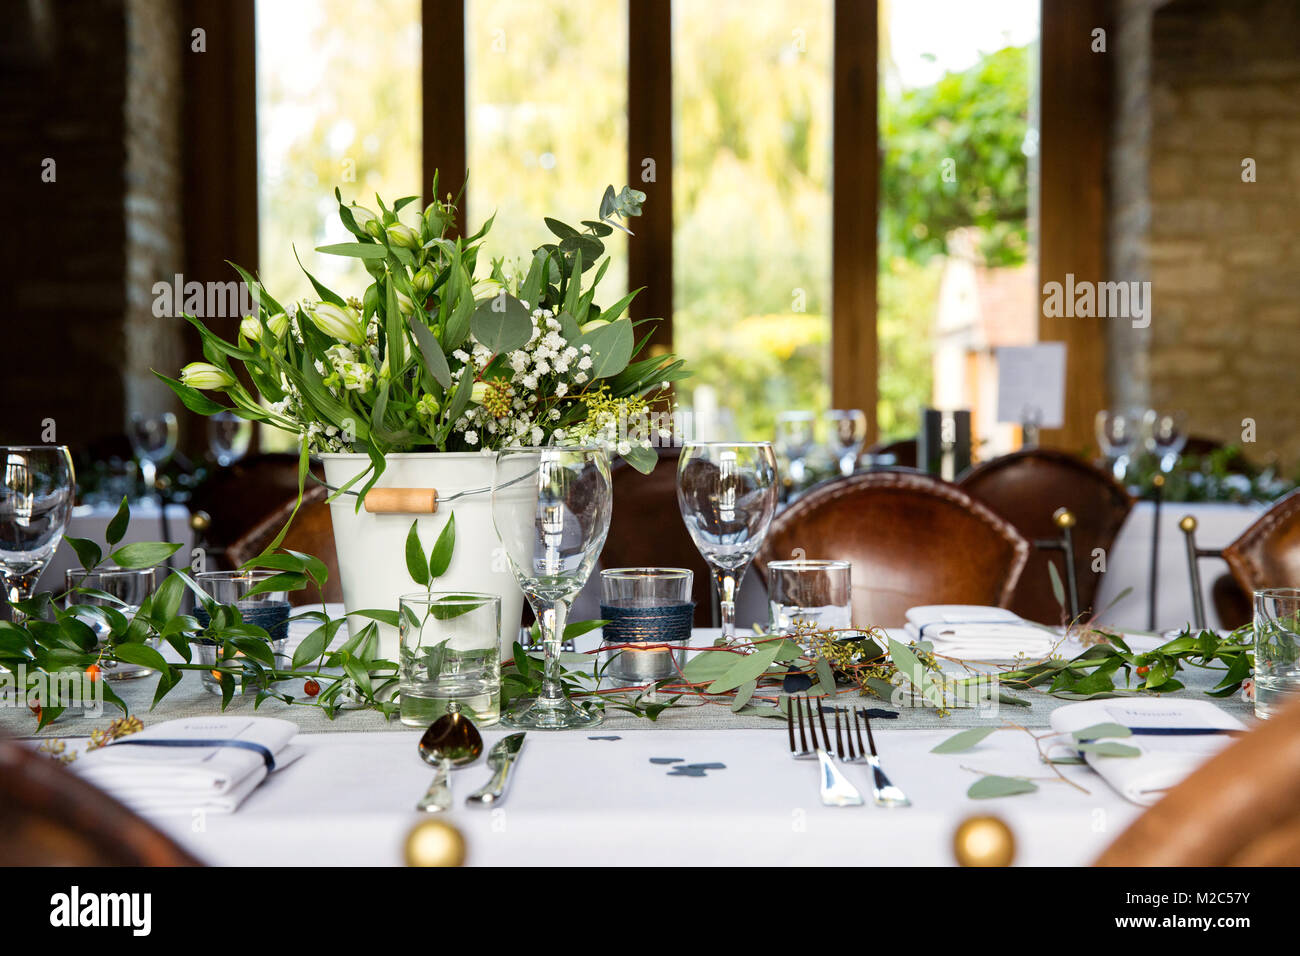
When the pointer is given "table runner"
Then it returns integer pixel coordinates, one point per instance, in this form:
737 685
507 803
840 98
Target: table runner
190 699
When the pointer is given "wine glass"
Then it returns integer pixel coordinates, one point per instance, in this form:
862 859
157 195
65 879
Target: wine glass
1117 435
37 487
551 510
1166 434
727 493
229 437
848 431
794 440
153 439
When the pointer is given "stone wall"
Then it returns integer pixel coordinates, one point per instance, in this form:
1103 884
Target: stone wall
1203 86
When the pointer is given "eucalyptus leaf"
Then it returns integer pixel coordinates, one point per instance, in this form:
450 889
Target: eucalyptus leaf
748 667
962 740
502 323
994 786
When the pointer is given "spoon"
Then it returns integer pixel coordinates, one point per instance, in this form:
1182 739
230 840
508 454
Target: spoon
452 741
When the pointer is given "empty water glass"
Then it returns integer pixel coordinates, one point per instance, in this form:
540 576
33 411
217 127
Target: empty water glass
450 657
268 610
229 437
848 432
153 439
795 437
1166 434
111 597
809 593
1117 437
36 494
1277 649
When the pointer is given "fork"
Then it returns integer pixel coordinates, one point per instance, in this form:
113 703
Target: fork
836 791
883 793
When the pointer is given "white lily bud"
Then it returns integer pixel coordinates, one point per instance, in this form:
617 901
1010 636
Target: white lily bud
486 289
400 234
593 324
339 322
279 324
205 375
404 304
250 328
362 216
423 281
479 393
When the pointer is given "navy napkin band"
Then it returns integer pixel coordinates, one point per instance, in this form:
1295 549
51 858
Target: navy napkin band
1173 732
629 625
266 754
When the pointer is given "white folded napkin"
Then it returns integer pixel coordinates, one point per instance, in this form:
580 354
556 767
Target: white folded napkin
174 774
974 632
1166 759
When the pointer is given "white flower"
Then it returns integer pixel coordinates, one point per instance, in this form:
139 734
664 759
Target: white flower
580 377
586 349
584 363
624 448
561 389
460 355
338 321
471 437
205 375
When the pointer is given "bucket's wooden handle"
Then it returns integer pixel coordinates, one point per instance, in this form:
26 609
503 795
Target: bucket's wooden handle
410 501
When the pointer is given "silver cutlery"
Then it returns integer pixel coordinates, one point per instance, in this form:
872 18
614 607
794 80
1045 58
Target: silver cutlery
452 741
883 793
835 789
501 758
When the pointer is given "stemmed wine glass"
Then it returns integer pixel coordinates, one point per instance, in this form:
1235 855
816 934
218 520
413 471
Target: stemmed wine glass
1117 435
727 493
36 497
229 437
551 509
795 439
153 439
848 431
1166 434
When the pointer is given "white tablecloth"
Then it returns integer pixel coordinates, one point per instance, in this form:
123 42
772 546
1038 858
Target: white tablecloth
1129 562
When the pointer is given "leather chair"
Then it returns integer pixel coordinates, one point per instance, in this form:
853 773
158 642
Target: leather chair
902 453
913 539
312 532
1240 808
646 528
1026 488
1265 555
51 817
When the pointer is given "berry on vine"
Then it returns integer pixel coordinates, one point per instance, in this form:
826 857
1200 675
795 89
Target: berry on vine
311 688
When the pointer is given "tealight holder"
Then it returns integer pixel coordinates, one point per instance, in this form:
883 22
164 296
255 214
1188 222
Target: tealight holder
268 610
650 607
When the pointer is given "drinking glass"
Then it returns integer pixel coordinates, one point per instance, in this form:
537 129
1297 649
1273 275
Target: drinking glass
153 439
110 590
229 437
551 510
646 606
449 657
1166 434
727 494
795 438
809 592
1117 435
268 610
1277 649
37 487
848 431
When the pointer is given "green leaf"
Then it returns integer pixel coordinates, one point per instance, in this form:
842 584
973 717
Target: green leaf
440 556
1108 748
143 554
117 527
825 676
311 647
141 654
88 552
416 564
1058 589
1097 731
356 250
743 694
434 361
502 330
962 740
611 347
748 667
994 786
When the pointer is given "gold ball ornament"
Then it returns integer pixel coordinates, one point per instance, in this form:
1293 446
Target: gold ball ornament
1063 518
984 841
1158 481
434 843
1187 524
200 521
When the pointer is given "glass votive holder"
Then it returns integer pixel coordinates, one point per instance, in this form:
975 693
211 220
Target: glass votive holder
449 657
268 610
117 589
809 593
1277 649
645 606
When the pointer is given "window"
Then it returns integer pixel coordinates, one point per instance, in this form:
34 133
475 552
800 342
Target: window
546 93
956 263
752 196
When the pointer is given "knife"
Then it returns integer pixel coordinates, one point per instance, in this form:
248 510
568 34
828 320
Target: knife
501 758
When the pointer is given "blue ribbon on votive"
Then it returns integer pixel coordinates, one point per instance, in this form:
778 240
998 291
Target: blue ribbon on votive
267 757
273 618
631 625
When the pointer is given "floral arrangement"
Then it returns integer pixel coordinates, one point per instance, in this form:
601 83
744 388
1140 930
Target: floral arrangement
429 357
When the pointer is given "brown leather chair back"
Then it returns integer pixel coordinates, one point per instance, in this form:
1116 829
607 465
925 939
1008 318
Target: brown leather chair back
1267 554
903 452
1240 808
913 539
312 532
646 529
1026 488
51 817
